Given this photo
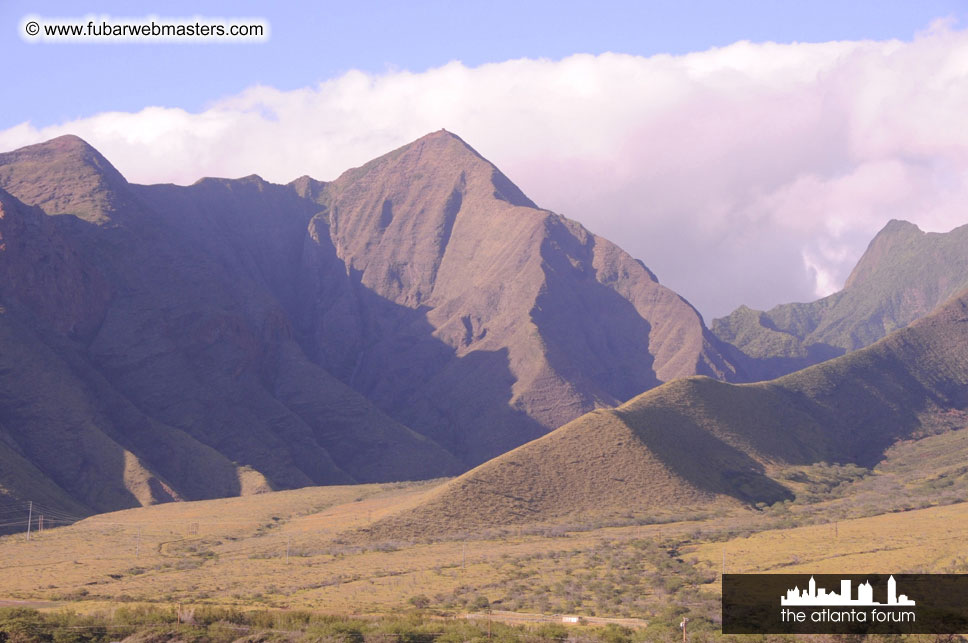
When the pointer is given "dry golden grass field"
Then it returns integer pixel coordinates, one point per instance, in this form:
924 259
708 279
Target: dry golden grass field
907 514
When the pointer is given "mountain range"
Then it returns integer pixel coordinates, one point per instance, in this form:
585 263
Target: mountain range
415 318
697 444
904 275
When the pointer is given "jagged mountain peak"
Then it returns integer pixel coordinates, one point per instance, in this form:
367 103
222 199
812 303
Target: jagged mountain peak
554 318
882 251
440 157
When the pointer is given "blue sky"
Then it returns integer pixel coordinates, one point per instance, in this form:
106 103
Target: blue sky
746 151
314 41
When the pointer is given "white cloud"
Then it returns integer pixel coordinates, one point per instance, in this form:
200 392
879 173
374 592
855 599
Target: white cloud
754 173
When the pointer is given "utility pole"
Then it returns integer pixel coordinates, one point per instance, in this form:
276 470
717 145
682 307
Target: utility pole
30 517
40 522
683 626
137 547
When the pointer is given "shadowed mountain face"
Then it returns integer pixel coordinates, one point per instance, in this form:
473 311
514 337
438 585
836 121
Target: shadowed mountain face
473 315
699 443
414 317
903 276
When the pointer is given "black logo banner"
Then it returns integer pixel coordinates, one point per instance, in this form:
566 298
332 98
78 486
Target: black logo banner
845 603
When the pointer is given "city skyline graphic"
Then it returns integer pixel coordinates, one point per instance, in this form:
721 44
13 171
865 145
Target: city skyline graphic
814 596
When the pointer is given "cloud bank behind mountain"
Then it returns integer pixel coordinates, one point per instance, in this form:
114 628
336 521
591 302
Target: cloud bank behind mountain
753 173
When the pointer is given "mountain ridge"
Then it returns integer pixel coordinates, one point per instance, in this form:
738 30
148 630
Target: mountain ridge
902 276
696 443
66 175
473 231
409 319
150 371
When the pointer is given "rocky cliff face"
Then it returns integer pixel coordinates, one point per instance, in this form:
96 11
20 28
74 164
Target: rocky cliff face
416 316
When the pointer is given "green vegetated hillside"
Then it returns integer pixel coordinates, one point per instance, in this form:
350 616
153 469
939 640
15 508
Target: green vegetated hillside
904 274
411 319
695 443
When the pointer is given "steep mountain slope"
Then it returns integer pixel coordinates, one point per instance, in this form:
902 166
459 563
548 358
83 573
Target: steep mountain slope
138 368
904 274
476 316
694 442
416 316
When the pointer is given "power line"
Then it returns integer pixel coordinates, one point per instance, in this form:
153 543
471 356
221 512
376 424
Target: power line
59 512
